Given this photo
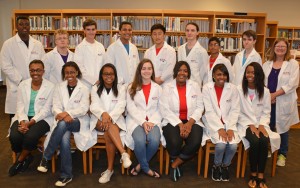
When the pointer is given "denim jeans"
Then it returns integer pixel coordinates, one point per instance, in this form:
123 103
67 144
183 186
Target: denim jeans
224 153
61 137
145 146
284 145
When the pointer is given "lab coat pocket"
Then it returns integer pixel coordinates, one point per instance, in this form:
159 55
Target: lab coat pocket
286 108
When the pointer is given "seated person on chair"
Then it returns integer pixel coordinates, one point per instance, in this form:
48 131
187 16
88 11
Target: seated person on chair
144 118
33 117
70 106
253 123
222 108
181 106
107 106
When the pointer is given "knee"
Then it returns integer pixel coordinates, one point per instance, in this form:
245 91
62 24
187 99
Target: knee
154 135
220 146
139 135
61 125
232 147
264 141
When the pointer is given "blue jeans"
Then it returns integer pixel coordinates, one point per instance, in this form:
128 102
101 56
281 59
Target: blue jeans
284 145
145 146
227 149
61 137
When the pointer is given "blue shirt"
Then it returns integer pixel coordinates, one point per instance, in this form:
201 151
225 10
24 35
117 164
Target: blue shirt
126 47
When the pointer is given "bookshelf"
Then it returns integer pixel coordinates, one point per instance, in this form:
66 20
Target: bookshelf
271 35
108 20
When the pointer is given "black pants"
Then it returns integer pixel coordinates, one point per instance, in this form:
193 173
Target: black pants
175 145
258 152
29 140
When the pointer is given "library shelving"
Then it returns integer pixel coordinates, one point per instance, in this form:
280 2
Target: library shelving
271 35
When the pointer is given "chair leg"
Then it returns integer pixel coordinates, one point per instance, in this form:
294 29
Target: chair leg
97 154
167 162
53 162
91 160
238 166
199 160
161 158
245 153
274 160
208 145
84 162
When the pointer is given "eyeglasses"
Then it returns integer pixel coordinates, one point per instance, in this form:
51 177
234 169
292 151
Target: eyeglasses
36 70
108 74
281 47
61 38
215 44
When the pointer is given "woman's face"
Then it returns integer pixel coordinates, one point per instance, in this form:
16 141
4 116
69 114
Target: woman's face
108 76
280 49
191 32
147 71
36 72
182 74
250 74
220 78
70 74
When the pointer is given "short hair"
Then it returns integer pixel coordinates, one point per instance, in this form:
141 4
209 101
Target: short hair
287 55
89 22
22 18
158 26
70 64
177 67
37 61
222 68
214 39
194 24
124 23
250 33
61 32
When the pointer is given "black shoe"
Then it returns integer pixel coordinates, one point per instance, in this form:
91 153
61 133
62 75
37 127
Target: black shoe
44 166
28 160
62 182
179 172
216 173
225 173
173 174
15 168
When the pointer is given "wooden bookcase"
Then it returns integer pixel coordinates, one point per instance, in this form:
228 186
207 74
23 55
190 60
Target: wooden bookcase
142 20
271 35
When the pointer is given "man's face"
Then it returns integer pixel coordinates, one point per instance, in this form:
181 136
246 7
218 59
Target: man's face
62 40
90 32
126 32
23 27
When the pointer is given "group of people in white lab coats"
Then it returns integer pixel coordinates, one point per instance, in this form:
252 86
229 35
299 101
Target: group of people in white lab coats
179 105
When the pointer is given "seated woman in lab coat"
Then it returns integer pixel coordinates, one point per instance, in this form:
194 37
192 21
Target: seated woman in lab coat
253 123
181 106
33 118
144 119
70 106
222 109
108 104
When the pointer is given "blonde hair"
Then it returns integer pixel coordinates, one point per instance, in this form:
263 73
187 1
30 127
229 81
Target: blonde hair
287 55
61 32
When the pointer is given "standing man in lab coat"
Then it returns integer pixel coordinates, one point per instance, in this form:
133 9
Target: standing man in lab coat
162 55
89 54
123 54
16 54
56 58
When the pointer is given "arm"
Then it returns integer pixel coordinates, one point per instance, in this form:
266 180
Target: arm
265 116
156 116
96 104
197 114
120 106
57 107
20 111
234 110
293 80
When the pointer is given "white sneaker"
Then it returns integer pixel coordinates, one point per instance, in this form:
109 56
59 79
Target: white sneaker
281 160
125 159
105 176
63 182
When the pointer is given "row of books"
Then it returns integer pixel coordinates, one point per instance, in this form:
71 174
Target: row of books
285 34
76 22
179 24
231 44
48 41
224 25
138 23
296 45
297 34
43 23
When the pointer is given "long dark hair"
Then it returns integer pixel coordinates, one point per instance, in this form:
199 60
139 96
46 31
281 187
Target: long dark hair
259 78
115 82
223 69
138 80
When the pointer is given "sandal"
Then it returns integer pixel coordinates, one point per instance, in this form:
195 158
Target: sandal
252 182
261 183
134 171
154 174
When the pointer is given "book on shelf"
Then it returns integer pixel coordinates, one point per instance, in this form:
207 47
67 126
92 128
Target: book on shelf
224 25
139 23
268 30
297 34
76 22
231 44
178 24
285 34
46 40
43 23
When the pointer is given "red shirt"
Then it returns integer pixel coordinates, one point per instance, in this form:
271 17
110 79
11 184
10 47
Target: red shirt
157 50
219 91
182 102
146 90
211 62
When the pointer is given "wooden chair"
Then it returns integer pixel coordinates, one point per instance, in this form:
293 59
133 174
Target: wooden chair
99 145
161 157
274 160
210 148
199 156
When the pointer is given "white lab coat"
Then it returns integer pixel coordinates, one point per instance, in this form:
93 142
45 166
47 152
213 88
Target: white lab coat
256 112
238 69
169 103
163 62
138 111
286 105
125 64
76 106
42 104
90 59
228 110
53 65
114 106
197 59
15 59
221 60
